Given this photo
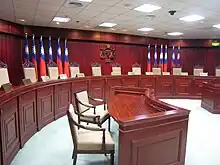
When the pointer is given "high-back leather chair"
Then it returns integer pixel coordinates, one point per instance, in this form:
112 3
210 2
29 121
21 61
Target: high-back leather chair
90 113
89 140
3 74
136 69
96 69
116 69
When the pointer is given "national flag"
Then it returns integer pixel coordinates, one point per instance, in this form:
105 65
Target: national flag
26 52
50 51
148 60
42 59
34 56
165 60
66 61
161 58
59 58
178 57
173 58
155 56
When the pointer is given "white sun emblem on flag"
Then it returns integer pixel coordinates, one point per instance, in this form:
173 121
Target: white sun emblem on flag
50 51
59 51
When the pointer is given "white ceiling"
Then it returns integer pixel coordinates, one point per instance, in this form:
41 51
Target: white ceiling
41 13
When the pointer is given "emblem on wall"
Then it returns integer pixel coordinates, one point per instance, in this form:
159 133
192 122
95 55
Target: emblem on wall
107 54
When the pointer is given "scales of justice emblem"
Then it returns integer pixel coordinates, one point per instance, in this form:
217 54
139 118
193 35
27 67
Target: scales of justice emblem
107 54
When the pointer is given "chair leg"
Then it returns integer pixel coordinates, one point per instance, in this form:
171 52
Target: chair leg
74 157
112 159
109 124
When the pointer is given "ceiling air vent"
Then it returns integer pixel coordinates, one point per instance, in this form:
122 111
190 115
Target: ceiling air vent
150 16
75 4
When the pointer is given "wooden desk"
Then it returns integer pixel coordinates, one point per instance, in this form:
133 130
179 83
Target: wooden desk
211 97
27 109
150 131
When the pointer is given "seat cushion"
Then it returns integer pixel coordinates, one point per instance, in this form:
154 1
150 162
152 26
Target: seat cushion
99 112
92 140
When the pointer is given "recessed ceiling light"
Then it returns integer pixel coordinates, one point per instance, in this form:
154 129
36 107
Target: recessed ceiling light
217 26
192 18
85 0
57 23
107 24
113 29
22 20
147 8
175 34
124 30
86 26
61 19
145 29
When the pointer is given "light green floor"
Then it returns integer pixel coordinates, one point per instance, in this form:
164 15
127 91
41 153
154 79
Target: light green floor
53 144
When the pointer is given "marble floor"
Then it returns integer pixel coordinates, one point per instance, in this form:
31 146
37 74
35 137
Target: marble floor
53 144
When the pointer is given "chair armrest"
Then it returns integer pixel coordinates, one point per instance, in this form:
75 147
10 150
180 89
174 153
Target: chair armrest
95 117
88 106
96 99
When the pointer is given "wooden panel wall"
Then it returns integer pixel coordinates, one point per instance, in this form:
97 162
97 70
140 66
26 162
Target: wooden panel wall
84 48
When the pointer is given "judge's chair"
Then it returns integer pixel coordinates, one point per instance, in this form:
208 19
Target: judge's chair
4 78
29 71
136 69
96 69
90 113
89 140
116 69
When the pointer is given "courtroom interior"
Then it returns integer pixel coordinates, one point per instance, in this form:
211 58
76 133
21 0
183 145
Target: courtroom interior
109 82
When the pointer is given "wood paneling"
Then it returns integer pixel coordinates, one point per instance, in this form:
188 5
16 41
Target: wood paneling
27 116
111 82
183 86
62 99
9 131
147 82
164 86
97 88
45 106
130 81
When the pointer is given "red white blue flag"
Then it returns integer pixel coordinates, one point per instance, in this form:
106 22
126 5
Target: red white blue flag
26 52
34 56
50 51
66 61
161 58
148 60
178 57
155 56
173 58
59 58
42 59
165 60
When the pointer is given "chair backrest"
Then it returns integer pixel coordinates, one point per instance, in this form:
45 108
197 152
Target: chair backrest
74 71
83 98
73 118
116 69
96 69
53 73
3 74
136 69
177 71
156 71
29 71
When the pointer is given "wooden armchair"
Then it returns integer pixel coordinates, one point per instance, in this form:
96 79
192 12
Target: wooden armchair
89 140
90 113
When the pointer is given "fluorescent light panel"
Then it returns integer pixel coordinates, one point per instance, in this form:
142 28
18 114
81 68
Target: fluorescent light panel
147 8
107 24
175 34
145 29
61 19
85 0
192 18
217 26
